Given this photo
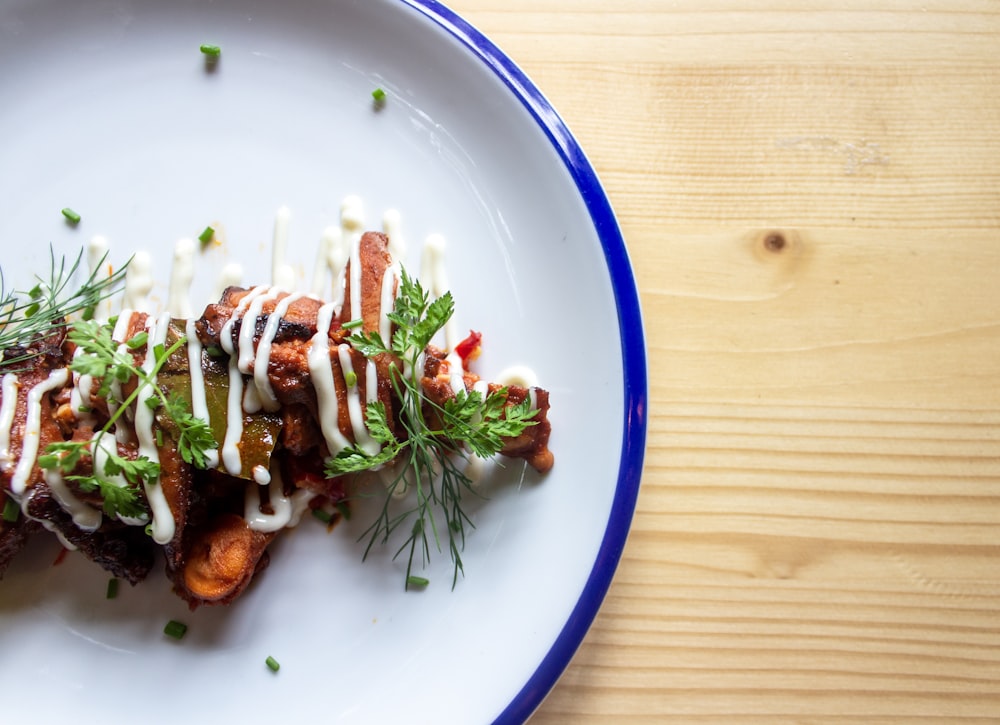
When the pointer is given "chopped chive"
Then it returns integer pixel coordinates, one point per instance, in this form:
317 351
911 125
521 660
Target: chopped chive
35 292
322 515
344 509
214 351
206 236
149 529
272 664
353 323
379 95
417 581
137 341
159 438
350 378
212 51
71 216
175 629
11 511
32 310
112 588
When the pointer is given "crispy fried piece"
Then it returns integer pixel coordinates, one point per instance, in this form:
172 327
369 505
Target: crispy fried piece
533 443
124 551
223 558
373 256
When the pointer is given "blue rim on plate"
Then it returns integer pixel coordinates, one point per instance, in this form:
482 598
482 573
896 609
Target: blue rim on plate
633 351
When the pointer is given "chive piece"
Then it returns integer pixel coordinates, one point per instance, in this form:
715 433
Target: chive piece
215 351
212 51
322 515
206 236
417 581
353 323
379 95
272 664
112 588
175 629
344 509
71 215
350 378
11 511
159 438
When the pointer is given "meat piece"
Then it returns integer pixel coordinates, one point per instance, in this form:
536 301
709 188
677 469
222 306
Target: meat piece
124 551
373 258
223 559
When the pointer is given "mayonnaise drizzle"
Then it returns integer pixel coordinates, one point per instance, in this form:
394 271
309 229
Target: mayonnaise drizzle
181 277
199 397
85 516
286 509
321 372
230 276
32 428
282 274
118 335
230 455
354 407
352 221
7 409
97 252
163 518
263 359
138 283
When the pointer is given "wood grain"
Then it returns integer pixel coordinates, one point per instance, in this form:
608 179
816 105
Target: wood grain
810 194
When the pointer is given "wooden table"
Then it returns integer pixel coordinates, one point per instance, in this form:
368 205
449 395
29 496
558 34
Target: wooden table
811 199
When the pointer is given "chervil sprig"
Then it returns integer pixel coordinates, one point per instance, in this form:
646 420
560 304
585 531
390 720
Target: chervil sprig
107 361
435 438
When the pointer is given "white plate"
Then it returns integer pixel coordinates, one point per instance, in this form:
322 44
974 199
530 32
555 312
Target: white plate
108 107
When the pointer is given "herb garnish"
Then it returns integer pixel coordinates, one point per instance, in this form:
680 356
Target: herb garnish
26 315
435 435
105 360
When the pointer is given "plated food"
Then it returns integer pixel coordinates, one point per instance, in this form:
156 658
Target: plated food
143 435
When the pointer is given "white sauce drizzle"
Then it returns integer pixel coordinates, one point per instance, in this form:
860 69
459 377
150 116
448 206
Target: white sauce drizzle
387 301
79 396
122 433
102 447
85 516
163 518
282 274
352 221
435 279
286 508
263 359
392 225
230 454
321 372
7 409
518 375
97 251
138 283
230 276
32 428
181 276
199 397
354 407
